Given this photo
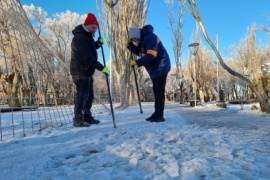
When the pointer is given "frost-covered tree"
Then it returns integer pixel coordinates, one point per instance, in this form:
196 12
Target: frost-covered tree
59 32
123 14
176 25
55 33
37 16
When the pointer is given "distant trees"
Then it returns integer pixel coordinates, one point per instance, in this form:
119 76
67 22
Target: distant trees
33 65
249 56
41 71
176 25
251 61
16 70
55 34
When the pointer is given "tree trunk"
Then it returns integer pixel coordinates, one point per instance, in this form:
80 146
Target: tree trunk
201 93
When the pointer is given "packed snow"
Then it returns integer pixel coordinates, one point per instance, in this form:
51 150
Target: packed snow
203 142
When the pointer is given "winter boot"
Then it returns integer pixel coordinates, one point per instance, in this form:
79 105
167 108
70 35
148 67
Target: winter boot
79 122
152 117
90 119
158 119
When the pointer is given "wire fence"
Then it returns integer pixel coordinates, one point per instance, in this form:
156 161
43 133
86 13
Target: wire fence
36 90
29 120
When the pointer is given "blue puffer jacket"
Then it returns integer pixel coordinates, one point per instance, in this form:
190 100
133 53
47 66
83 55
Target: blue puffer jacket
154 56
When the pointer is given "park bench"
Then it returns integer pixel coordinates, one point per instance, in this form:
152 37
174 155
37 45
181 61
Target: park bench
6 108
192 102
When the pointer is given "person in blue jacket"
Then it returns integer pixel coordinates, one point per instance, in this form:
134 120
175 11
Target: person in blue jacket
83 63
154 57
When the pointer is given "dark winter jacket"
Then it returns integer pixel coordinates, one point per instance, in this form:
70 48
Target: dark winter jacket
84 59
154 56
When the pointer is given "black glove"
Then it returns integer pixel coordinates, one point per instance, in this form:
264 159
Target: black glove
100 41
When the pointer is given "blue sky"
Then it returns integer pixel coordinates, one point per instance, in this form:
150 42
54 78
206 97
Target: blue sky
229 19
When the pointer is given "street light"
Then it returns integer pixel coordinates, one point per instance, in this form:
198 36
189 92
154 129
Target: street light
247 87
193 47
182 84
217 68
174 76
111 49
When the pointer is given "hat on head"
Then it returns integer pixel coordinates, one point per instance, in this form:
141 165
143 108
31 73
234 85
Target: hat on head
134 33
90 19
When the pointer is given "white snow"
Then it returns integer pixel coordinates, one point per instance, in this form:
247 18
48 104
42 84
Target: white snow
204 142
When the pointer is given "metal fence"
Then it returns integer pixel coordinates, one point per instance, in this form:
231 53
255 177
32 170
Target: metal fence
36 90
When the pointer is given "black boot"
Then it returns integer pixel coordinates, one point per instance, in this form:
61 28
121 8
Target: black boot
79 122
90 119
158 119
152 117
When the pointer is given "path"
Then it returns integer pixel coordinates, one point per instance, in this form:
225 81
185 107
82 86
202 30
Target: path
231 118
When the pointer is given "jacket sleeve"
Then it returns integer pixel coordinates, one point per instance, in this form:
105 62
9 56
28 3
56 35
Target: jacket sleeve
150 45
134 49
97 45
99 66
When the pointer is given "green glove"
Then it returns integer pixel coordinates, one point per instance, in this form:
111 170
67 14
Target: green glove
100 41
106 71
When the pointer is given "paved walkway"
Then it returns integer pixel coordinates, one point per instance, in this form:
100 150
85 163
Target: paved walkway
215 117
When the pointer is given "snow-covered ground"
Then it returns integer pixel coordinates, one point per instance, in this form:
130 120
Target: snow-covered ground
204 142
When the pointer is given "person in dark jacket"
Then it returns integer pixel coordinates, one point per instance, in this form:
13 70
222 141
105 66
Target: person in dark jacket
84 61
154 57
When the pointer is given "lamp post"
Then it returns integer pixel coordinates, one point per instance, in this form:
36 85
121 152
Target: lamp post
217 68
182 81
111 63
247 87
193 47
173 76
111 5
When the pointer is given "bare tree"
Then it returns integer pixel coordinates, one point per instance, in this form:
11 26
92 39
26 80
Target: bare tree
22 70
125 14
191 7
37 15
265 60
59 32
176 25
11 68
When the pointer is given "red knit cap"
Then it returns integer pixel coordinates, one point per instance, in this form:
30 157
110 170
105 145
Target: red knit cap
90 19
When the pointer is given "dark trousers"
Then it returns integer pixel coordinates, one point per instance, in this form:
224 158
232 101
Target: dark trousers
159 93
84 95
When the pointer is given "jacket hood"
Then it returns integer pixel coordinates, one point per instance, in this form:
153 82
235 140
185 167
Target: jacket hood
79 29
147 29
